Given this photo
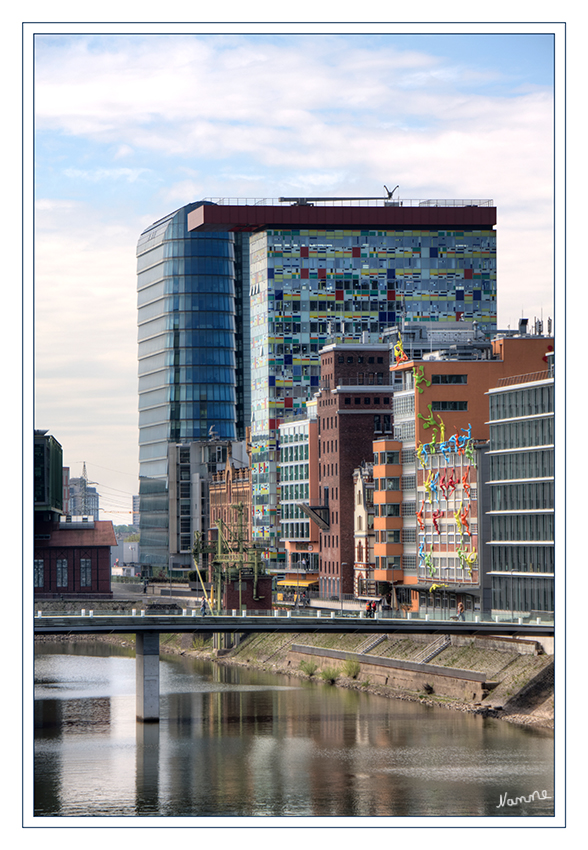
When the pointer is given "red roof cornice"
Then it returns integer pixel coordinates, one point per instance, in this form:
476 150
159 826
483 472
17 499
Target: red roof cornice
218 217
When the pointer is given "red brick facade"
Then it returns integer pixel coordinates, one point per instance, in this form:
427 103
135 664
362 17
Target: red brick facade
354 407
73 562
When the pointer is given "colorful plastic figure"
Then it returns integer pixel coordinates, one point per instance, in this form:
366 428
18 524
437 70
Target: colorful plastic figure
419 516
419 378
436 516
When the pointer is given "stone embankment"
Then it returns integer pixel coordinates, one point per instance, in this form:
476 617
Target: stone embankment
507 679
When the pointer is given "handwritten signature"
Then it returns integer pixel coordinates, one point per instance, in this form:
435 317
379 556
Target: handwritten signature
505 800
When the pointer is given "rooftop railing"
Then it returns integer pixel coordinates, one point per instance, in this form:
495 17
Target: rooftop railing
351 202
525 379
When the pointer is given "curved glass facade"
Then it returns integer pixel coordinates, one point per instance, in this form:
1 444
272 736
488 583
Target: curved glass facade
187 339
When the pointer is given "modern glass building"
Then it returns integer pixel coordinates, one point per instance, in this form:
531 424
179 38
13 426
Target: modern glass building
522 482
193 325
325 272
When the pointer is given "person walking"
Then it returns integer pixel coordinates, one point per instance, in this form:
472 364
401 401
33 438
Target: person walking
460 611
203 607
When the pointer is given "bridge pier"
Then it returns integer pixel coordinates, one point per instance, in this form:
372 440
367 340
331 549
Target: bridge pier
147 676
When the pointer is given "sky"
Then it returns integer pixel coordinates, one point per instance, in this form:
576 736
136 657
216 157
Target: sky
131 125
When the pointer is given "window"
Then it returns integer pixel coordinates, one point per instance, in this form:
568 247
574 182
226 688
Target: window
62 572
449 405
85 572
390 457
449 379
389 483
39 572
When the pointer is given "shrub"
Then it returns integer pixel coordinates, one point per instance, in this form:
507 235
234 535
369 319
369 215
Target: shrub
308 667
351 668
330 675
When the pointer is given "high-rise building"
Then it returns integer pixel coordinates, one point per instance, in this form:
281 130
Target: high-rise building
84 500
324 271
193 317
522 487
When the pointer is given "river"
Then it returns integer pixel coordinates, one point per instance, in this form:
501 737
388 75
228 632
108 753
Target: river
235 743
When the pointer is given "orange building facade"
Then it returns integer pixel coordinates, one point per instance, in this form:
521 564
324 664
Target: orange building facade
429 496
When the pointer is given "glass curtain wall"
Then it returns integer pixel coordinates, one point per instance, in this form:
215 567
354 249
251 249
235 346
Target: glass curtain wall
522 484
187 357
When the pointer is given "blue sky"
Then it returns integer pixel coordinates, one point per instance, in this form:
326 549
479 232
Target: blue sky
130 127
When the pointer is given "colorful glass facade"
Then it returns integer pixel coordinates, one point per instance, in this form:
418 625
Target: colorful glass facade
312 286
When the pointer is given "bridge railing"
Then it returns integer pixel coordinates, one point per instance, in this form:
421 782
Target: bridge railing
522 618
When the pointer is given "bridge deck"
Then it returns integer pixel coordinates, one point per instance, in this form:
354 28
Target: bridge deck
301 622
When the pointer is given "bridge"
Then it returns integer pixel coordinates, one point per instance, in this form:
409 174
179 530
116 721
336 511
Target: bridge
148 626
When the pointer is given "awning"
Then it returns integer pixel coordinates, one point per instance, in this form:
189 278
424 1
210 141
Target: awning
303 582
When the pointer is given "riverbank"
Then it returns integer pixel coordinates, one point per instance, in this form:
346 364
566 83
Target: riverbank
522 690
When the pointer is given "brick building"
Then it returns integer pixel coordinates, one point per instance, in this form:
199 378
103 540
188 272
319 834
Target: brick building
353 409
228 487
71 557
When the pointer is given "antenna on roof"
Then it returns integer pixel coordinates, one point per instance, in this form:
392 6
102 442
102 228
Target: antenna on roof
390 193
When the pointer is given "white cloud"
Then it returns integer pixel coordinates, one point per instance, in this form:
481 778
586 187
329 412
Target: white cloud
129 175
228 116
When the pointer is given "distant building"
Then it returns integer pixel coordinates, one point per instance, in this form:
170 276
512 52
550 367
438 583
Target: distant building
191 467
71 556
125 558
66 500
136 511
84 499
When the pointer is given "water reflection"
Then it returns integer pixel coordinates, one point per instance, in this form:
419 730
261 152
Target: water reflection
241 743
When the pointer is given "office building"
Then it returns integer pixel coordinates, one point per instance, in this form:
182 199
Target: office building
84 500
299 483
324 270
522 487
193 311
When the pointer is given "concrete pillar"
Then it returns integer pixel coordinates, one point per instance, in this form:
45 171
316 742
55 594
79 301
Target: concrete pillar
147 676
